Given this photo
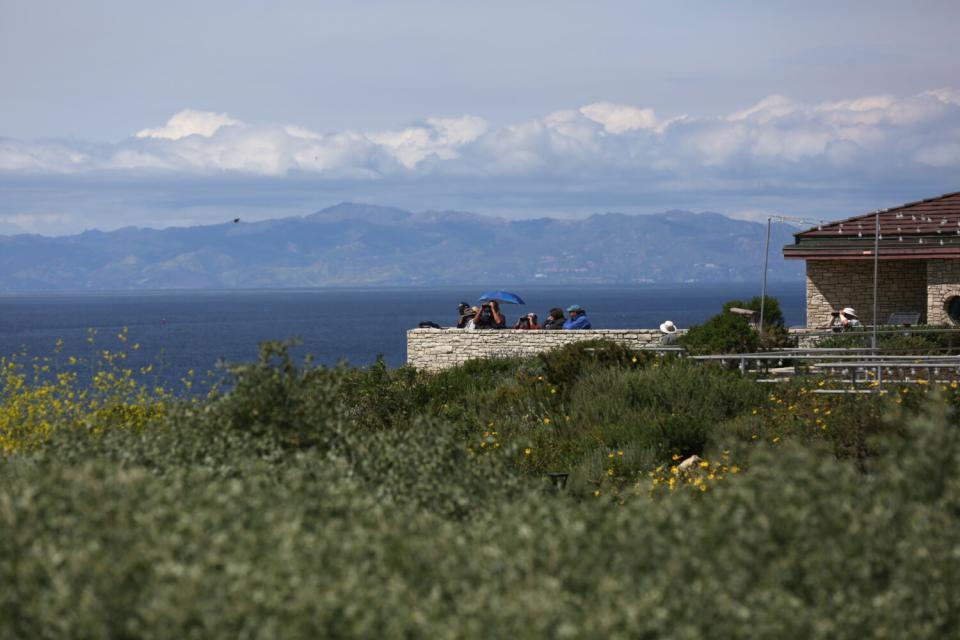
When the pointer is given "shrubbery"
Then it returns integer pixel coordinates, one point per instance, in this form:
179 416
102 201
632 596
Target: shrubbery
297 501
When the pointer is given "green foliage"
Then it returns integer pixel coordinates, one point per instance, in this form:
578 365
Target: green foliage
898 341
291 504
723 333
730 333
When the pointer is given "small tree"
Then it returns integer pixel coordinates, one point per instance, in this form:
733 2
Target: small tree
730 333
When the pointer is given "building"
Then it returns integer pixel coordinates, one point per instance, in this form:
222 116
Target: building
919 263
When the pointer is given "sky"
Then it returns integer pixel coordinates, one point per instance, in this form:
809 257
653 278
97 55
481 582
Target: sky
178 113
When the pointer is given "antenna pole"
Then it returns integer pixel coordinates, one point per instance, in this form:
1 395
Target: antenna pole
763 292
876 269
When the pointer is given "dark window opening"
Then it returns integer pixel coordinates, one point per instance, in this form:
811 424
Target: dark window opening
953 309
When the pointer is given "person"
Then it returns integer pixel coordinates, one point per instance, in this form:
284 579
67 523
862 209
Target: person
554 319
490 316
471 325
845 319
669 331
527 322
464 315
578 318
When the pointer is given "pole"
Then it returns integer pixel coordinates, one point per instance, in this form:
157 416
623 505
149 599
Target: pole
876 269
763 292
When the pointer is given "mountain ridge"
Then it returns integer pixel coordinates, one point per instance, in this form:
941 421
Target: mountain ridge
355 244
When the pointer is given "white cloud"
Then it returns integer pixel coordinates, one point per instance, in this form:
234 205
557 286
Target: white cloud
620 118
856 143
189 123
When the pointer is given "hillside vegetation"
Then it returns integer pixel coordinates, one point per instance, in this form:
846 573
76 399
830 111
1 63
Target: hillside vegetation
301 501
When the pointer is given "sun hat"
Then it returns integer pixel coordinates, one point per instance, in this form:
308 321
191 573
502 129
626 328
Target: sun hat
668 327
848 312
574 307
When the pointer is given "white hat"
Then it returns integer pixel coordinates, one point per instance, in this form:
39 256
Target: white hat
848 312
668 327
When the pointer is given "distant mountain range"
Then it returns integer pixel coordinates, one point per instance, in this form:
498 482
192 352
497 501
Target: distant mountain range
364 245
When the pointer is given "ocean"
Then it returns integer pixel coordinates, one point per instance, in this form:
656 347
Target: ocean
183 330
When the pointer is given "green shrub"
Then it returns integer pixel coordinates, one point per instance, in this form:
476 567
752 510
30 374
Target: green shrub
729 333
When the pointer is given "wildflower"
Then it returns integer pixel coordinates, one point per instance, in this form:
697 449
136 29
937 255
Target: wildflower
675 456
633 359
610 455
596 493
546 420
775 440
704 464
553 389
610 472
620 453
734 469
754 437
527 451
821 383
922 381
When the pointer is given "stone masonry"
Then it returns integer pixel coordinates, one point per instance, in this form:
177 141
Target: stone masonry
902 286
943 283
436 349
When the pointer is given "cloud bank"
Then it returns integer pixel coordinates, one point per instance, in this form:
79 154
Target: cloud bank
858 144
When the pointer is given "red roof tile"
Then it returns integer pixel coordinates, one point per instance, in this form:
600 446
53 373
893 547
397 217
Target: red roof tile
923 230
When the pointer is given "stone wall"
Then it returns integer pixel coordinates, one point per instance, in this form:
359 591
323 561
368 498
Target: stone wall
943 283
834 284
435 349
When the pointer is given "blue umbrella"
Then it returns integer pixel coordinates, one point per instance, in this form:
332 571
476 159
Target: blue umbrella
502 296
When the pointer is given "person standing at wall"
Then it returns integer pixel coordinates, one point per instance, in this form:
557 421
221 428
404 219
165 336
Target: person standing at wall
578 318
554 319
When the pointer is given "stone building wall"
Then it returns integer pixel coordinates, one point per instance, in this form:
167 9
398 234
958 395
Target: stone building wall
436 349
943 283
834 284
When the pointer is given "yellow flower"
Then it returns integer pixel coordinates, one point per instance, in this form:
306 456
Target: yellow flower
546 421
553 389
633 359
527 451
597 493
609 455
609 472
734 469
675 456
704 464
620 453
777 439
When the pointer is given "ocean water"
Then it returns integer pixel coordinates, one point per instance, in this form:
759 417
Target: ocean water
183 330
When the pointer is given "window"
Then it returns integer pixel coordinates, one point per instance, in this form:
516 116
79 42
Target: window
953 309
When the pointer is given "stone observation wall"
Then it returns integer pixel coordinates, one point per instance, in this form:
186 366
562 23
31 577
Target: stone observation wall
835 284
436 349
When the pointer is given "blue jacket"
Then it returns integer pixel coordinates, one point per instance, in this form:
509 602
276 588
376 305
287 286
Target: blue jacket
580 322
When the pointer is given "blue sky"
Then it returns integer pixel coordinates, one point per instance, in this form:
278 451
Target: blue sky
172 113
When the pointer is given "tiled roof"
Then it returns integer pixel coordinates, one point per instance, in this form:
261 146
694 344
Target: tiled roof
924 229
